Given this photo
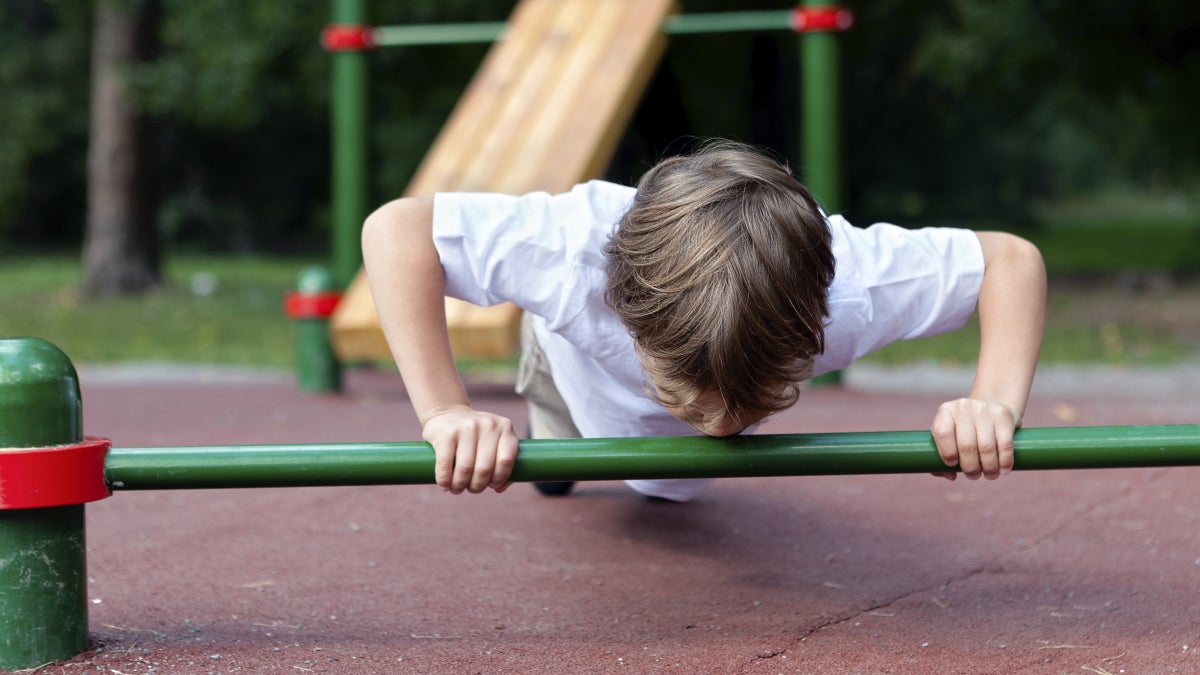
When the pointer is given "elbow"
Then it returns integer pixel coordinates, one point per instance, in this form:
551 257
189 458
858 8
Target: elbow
1030 258
1014 252
395 226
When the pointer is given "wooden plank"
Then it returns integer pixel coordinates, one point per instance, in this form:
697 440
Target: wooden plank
502 73
608 87
595 33
618 84
515 126
544 112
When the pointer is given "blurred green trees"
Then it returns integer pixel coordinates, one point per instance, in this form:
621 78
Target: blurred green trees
962 109
983 106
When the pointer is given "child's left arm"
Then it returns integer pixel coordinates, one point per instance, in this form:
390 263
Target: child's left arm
976 433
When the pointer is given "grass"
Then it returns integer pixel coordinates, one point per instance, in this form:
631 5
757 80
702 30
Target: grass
1119 232
241 320
1106 342
1151 247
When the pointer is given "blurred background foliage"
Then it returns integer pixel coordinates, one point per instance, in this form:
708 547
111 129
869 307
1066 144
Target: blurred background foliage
955 111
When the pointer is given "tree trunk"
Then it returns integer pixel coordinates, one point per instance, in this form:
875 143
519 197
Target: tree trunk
120 252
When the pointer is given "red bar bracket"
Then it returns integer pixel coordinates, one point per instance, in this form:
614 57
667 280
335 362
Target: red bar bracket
348 38
298 305
36 478
821 18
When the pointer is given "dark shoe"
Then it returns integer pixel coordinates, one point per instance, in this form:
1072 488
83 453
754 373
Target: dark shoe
554 488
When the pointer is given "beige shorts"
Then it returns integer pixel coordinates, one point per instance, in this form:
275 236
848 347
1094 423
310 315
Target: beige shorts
548 414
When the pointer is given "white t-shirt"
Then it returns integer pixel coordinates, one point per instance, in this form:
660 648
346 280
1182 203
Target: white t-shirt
544 253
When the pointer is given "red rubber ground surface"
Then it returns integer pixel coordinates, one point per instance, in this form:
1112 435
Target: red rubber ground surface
1055 572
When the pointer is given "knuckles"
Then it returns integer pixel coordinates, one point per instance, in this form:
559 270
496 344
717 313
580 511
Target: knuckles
473 450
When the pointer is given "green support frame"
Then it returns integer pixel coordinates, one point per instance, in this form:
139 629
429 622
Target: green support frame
348 126
819 132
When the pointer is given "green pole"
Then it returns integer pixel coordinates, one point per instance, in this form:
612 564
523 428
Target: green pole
728 22
43 577
317 367
820 126
348 110
626 458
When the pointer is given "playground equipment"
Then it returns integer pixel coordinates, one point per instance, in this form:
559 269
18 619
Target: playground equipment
544 112
48 471
310 305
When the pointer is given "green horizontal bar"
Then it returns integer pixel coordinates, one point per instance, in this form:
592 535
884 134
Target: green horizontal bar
646 458
438 34
682 24
728 22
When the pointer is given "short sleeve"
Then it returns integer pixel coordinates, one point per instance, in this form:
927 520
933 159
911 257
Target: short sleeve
916 283
523 249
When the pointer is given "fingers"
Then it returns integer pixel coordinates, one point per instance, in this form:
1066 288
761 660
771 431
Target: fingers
443 466
494 459
473 450
1004 448
945 436
975 435
464 463
969 448
506 459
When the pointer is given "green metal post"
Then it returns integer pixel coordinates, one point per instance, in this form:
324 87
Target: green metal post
626 458
821 129
348 109
43 577
317 367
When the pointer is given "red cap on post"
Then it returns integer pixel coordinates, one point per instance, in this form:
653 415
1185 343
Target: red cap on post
348 38
301 305
821 18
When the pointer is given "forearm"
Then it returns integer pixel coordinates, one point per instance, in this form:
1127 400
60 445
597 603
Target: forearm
1012 315
408 286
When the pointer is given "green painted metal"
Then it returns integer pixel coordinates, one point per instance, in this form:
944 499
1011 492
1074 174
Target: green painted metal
40 403
43 586
820 127
483 32
43 593
728 22
627 458
315 279
317 367
438 34
349 140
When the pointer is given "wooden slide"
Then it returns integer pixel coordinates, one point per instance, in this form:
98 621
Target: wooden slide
544 112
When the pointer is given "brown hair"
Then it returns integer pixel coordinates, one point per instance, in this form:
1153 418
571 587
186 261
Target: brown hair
721 270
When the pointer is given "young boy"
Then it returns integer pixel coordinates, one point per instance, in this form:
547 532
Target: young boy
697 303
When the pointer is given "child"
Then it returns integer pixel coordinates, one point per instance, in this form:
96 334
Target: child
698 302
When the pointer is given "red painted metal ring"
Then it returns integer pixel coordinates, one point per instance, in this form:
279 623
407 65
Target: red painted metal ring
348 38
299 305
824 18
37 478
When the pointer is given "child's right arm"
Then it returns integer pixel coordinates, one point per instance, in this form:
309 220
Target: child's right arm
475 450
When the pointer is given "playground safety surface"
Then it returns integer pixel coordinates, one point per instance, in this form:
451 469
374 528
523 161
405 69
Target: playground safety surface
1054 572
